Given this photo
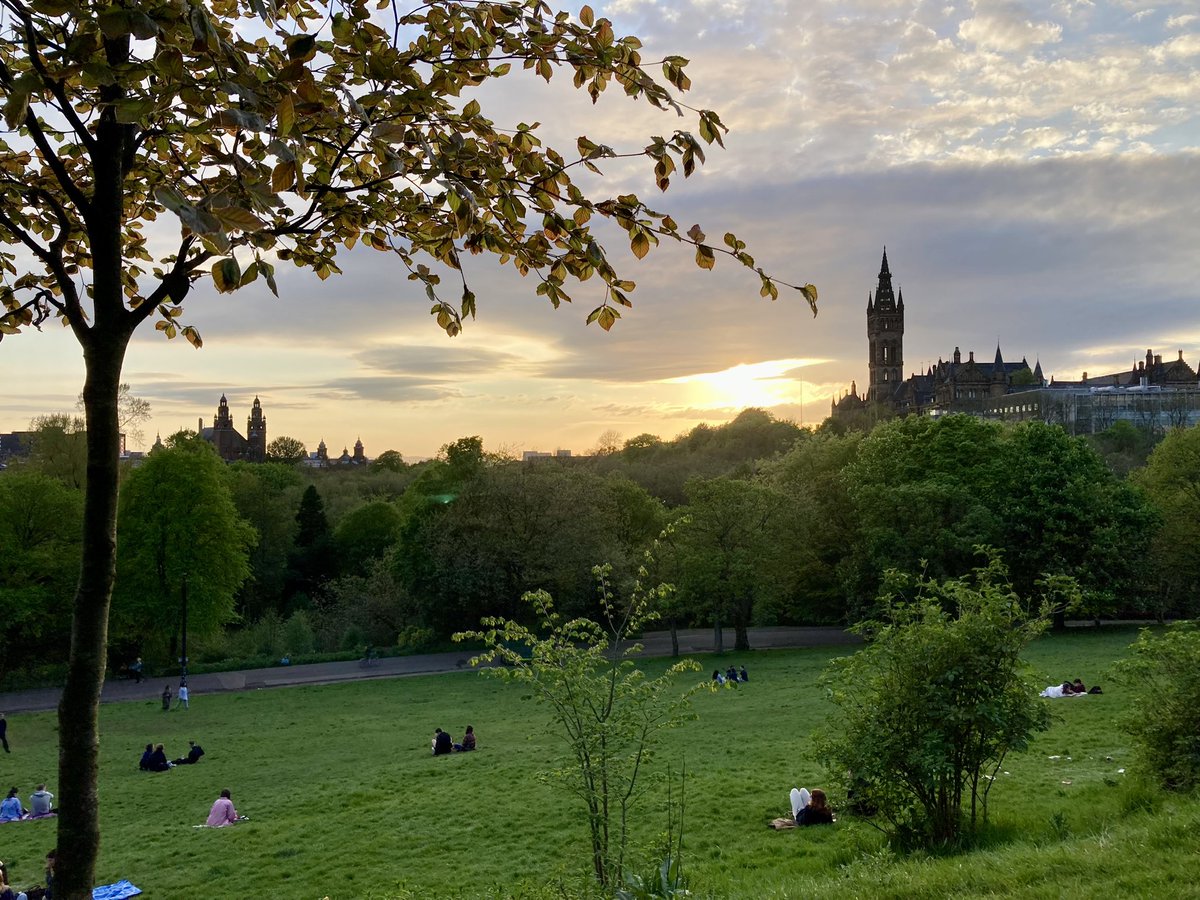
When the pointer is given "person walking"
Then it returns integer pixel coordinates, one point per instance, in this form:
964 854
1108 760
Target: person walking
136 669
4 733
182 699
166 698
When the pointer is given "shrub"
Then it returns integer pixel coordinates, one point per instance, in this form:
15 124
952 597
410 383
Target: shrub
414 639
934 702
298 636
1164 672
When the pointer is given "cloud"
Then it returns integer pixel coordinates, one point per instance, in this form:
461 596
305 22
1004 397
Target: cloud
1006 26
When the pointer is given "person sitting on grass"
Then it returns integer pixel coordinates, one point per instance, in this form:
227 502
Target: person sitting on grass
41 803
222 812
158 760
468 741
195 751
810 808
718 677
1077 687
6 891
442 742
144 765
11 809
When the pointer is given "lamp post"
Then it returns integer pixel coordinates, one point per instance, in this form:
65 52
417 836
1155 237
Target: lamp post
183 657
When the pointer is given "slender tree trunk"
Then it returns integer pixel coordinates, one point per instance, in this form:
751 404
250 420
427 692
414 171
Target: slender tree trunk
718 637
79 709
674 639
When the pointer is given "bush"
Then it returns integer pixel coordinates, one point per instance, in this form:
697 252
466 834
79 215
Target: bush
298 636
1164 672
414 639
935 701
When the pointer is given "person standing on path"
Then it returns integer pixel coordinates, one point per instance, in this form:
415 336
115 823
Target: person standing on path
4 733
136 669
166 698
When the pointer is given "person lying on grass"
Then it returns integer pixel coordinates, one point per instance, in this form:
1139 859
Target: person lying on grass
195 751
811 808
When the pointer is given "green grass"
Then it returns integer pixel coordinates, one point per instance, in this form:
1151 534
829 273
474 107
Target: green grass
344 799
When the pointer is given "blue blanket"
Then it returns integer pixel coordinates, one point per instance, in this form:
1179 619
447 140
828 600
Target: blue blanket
118 891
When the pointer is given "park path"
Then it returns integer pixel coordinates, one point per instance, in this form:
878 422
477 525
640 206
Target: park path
658 643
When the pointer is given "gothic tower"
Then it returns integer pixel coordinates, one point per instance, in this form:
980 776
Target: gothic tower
256 434
885 336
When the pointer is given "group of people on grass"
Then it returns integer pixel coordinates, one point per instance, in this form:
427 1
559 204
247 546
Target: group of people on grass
154 759
730 675
41 806
442 743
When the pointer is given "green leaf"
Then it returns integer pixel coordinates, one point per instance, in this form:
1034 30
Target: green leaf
15 107
226 275
285 115
301 47
131 111
640 245
704 257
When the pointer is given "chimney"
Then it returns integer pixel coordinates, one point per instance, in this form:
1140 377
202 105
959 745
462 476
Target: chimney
1158 359
1085 377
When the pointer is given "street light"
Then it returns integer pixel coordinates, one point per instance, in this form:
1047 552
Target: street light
183 658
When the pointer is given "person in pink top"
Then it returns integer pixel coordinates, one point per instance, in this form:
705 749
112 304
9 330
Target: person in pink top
222 812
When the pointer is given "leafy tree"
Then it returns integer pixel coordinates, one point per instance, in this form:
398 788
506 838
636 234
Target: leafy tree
267 142
286 449
822 521
929 709
1171 479
389 461
927 491
266 496
728 552
1163 673
40 536
365 534
59 448
611 715
512 528
132 413
178 521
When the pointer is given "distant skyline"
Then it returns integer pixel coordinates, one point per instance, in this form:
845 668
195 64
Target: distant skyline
1032 169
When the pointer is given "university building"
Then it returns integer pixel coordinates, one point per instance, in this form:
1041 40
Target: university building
1153 394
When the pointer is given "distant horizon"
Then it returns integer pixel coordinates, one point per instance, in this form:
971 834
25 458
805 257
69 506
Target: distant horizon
1030 169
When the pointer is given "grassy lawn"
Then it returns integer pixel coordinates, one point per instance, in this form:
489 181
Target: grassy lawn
344 799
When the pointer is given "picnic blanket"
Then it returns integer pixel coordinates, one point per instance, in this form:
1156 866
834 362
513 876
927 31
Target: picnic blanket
118 891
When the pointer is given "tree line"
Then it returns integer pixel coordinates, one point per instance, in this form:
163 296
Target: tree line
758 522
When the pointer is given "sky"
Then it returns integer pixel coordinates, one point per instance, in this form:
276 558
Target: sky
1033 170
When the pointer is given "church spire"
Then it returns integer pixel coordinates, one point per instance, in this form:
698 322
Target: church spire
885 299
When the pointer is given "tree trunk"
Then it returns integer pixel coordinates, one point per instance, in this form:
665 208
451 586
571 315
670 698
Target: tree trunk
674 639
718 637
79 709
741 639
